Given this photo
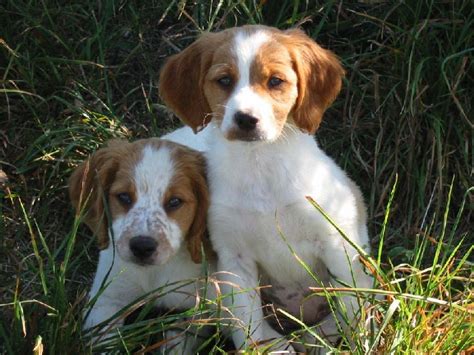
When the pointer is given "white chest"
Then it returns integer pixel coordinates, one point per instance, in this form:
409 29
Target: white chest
277 242
258 199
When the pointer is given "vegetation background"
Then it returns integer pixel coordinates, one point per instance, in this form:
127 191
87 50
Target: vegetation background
74 74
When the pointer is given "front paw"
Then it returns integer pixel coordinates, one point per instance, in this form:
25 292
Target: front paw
100 323
287 349
179 343
272 346
279 348
275 343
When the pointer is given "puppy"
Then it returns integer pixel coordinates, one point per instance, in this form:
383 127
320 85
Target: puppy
262 93
147 203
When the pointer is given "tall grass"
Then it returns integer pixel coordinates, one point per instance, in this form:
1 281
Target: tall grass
76 74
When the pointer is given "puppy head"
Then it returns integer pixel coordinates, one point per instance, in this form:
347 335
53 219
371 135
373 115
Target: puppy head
252 81
150 196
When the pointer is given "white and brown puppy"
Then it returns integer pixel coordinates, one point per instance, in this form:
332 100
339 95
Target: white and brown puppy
262 93
154 230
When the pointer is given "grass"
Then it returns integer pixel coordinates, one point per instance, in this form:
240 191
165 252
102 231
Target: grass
73 75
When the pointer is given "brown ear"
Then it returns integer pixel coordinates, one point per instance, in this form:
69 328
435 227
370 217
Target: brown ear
197 235
182 79
88 186
319 79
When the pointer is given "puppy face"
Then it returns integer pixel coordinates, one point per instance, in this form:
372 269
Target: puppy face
148 197
252 81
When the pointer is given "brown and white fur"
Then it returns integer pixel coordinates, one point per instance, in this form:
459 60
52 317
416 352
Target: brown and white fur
157 199
255 96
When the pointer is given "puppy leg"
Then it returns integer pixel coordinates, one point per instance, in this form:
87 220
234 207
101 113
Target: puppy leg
239 282
101 311
179 342
113 289
282 346
328 331
344 265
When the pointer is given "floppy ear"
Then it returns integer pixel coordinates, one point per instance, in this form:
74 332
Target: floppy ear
319 79
88 187
197 235
182 79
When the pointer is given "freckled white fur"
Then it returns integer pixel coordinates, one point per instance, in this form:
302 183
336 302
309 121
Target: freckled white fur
258 188
243 97
147 216
155 165
128 281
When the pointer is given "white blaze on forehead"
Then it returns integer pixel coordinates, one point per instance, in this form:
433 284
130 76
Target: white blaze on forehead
147 217
246 47
153 173
244 98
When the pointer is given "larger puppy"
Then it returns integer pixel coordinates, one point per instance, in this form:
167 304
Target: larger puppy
262 93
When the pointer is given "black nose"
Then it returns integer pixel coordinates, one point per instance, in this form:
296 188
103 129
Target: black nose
143 247
245 122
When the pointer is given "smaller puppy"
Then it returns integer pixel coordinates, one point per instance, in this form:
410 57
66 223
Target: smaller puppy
147 203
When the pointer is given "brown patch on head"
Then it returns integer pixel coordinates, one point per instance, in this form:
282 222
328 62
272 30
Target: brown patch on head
319 78
273 62
183 76
107 172
301 64
223 67
190 186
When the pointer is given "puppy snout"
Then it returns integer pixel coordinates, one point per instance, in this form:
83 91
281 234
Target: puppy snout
143 247
245 121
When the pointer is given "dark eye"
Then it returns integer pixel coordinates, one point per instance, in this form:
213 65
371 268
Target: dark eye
173 203
274 82
225 81
124 198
